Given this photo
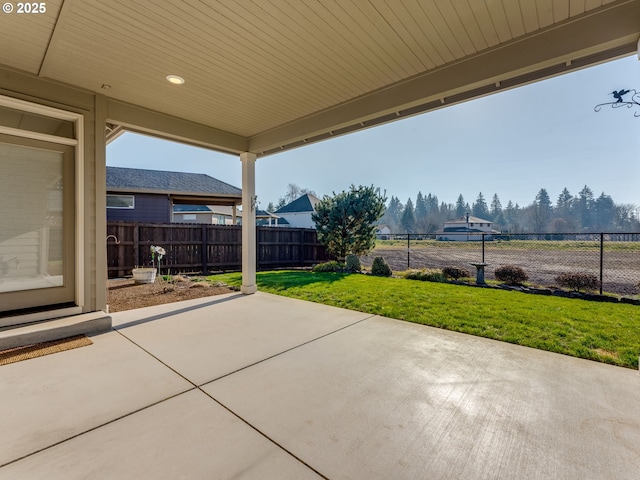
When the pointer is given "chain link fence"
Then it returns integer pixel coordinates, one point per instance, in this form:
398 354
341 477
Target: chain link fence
614 258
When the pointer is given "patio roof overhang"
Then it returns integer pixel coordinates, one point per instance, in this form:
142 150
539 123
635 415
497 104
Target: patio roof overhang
267 76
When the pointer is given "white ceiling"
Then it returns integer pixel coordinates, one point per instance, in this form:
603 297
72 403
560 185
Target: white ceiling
280 73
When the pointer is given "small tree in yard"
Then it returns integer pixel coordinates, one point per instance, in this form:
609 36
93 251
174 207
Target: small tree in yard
345 221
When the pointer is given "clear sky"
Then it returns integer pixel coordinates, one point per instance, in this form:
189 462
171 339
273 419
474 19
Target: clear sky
543 135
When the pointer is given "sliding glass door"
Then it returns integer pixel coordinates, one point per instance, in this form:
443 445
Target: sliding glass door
37 223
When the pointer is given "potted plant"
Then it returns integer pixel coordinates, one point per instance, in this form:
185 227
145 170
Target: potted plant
148 275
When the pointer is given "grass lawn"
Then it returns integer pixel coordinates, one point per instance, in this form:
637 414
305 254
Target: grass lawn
604 332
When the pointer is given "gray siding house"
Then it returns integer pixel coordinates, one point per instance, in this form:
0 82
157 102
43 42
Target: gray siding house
138 195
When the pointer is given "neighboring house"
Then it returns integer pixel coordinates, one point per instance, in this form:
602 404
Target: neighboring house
220 215
383 231
298 213
139 195
268 219
466 229
209 214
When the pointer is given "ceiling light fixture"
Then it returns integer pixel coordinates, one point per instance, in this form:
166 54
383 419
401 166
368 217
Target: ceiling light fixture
175 79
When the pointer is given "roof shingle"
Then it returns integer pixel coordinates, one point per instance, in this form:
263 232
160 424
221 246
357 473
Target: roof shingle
136 179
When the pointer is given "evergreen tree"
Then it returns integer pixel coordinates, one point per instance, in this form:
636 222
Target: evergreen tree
408 220
564 220
461 207
346 221
563 205
604 213
480 208
271 207
496 207
392 214
420 213
584 208
432 204
541 211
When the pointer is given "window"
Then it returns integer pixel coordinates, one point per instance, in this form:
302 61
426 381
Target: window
120 201
189 216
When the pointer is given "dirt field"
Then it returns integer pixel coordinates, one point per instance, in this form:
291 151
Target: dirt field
124 294
621 269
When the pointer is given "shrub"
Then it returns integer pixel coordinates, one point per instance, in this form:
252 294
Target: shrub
427 275
331 266
380 267
578 281
455 273
511 275
353 264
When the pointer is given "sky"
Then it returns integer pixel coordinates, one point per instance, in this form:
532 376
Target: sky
513 143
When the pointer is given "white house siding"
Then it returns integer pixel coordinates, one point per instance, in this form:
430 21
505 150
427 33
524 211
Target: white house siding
298 220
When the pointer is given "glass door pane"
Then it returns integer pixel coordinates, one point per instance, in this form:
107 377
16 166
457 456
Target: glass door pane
36 224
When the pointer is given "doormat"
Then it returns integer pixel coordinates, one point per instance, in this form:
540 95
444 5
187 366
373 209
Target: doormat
18 354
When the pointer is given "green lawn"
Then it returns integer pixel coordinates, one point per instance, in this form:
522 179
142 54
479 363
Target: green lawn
604 332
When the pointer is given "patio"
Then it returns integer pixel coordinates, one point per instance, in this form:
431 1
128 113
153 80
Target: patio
263 387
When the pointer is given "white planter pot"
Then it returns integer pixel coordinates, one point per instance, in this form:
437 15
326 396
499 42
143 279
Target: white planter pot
144 275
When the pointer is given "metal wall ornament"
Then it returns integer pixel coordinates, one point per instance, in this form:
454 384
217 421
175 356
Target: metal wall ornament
632 100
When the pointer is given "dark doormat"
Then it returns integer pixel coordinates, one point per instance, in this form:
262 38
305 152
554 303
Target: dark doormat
18 354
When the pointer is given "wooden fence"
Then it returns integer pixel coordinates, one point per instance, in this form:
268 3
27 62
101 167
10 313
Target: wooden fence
195 248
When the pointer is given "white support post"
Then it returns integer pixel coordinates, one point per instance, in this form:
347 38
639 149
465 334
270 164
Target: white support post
248 223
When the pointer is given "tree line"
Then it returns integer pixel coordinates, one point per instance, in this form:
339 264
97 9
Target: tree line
582 212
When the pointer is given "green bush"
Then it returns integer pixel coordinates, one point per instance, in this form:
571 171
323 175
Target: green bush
427 275
578 281
455 273
353 264
380 267
331 266
511 275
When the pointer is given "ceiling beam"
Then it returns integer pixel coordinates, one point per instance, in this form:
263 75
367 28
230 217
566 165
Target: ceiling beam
614 28
141 120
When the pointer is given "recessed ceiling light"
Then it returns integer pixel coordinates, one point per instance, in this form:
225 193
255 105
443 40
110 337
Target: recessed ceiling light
175 79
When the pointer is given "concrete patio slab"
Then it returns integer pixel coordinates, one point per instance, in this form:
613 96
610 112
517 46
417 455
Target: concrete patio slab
188 436
308 391
210 338
388 399
49 399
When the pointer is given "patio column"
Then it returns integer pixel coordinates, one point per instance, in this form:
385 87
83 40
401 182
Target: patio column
248 222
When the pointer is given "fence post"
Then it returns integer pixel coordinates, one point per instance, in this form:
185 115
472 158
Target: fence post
601 259
136 245
483 248
204 249
408 250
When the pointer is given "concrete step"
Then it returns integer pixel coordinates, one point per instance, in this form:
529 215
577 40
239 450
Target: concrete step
45 331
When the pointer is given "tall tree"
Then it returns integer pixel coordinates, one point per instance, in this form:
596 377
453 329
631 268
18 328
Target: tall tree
420 212
604 213
496 207
584 208
480 208
392 214
408 219
346 221
432 204
293 192
541 211
461 207
563 205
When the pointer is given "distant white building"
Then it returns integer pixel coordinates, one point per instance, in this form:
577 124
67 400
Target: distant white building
383 231
298 213
466 229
